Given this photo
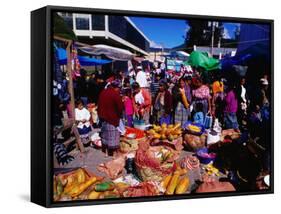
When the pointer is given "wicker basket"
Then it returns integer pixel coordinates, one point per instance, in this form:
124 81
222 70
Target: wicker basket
129 145
150 174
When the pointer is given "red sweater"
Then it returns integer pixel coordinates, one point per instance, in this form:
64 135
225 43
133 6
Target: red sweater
110 106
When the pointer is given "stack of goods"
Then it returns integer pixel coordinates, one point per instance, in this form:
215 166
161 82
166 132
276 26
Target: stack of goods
211 170
155 162
145 188
72 185
194 142
132 137
190 162
170 135
176 183
194 137
230 132
107 190
194 128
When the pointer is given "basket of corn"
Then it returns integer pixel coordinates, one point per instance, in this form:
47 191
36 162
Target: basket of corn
155 162
165 132
193 128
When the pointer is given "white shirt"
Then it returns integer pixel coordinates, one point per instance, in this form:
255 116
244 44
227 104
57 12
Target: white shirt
139 98
243 93
141 79
82 114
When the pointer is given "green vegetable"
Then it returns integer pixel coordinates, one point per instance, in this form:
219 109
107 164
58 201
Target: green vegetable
105 186
59 188
111 196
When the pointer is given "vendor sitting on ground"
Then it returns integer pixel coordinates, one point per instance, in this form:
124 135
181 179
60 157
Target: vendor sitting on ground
110 112
82 117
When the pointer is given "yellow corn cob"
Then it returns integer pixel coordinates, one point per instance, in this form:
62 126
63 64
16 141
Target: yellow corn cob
94 195
166 181
182 185
172 185
78 189
194 128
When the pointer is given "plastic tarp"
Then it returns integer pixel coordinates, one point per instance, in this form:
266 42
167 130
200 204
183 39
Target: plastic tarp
114 53
84 60
201 59
254 44
253 52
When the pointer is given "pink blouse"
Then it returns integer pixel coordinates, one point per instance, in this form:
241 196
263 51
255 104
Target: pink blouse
203 92
128 104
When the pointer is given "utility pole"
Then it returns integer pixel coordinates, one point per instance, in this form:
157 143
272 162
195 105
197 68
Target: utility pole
212 40
212 24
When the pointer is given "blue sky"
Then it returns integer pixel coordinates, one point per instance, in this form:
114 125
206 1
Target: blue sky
170 32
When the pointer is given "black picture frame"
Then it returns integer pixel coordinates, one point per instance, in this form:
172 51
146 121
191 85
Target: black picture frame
41 66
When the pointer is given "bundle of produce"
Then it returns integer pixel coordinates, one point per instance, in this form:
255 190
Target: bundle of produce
113 168
194 142
71 185
211 170
128 145
141 190
176 144
104 190
154 162
176 183
190 162
132 137
230 132
194 128
165 132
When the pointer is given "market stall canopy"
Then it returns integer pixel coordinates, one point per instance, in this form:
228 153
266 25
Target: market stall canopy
201 59
253 47
109 51
178 54
253 52
84 60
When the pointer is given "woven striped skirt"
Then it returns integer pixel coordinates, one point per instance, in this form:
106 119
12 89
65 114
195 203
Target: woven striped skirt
110 136
181 114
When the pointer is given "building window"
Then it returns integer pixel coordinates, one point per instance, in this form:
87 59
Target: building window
118 26
98 22
82 21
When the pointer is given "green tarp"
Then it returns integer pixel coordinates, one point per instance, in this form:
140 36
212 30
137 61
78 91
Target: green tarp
201 59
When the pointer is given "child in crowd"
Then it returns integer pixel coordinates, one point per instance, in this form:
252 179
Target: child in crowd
128 106
82 116
199 115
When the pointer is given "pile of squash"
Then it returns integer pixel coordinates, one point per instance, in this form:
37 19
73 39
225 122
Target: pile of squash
71 185
165 132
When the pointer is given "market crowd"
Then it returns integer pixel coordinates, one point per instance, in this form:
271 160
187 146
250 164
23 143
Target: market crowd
137 98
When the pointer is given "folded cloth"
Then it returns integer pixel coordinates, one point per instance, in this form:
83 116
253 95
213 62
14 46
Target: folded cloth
113 168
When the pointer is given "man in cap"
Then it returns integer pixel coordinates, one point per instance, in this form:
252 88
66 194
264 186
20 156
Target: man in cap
141 77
